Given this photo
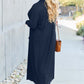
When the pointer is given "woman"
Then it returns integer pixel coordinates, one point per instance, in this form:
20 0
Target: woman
42 39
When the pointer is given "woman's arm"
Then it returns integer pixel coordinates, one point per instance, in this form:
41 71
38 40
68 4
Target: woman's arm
33 15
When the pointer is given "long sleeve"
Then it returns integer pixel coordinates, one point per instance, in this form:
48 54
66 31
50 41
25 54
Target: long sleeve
33 15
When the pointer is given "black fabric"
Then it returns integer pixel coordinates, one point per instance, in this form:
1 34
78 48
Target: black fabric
41 50
42 0
43 82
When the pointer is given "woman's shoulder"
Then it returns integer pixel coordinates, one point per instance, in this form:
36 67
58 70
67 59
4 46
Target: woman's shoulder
37 6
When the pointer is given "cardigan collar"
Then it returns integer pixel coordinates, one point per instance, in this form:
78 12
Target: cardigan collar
42 0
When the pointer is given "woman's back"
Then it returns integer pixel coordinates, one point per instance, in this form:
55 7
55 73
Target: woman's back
38 14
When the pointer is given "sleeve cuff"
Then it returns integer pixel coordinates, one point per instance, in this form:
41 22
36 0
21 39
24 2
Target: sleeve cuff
27 23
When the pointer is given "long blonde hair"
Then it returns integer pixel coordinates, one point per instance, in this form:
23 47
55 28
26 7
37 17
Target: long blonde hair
52 9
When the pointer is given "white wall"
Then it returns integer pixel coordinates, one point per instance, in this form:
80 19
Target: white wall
2 57
13 34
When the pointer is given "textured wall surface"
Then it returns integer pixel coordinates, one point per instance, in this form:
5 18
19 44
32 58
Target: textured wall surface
13 34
